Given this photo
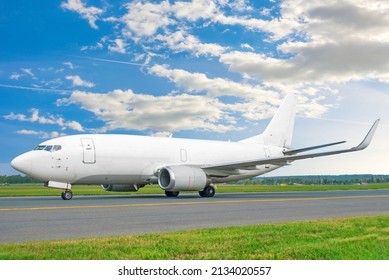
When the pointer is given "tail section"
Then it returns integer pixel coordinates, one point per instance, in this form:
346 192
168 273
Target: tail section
279 132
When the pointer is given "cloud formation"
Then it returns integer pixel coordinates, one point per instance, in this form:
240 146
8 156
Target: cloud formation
41 134
91 14
49 119
305 47
127 110
119 46
78 82
331 42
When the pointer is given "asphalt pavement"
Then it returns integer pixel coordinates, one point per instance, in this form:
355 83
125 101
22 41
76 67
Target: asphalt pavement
51 218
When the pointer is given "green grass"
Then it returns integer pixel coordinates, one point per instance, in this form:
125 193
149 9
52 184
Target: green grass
39 190
363 238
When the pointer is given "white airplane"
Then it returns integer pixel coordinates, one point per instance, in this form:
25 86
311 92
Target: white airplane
125 163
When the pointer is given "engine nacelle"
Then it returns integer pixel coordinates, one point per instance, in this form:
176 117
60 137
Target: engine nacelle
121 188
182 178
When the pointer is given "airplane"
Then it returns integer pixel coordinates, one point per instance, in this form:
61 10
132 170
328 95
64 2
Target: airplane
126 163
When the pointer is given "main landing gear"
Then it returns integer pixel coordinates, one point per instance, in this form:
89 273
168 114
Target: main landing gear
67 195
208 191
171 194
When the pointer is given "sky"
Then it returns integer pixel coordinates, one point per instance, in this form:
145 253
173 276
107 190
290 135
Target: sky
203 69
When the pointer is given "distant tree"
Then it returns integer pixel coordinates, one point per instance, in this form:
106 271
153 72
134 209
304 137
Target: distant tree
317 180
18 179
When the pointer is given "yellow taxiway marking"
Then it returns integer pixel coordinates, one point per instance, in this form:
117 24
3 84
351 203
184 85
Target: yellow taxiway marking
188 203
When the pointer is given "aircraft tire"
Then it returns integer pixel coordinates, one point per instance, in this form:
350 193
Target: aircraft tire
171 194
209 191
67 195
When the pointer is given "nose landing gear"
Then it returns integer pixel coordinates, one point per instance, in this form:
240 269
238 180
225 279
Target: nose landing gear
67 195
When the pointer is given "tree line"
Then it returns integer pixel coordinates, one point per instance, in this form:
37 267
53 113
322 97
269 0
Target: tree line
17 179
318 180
290 180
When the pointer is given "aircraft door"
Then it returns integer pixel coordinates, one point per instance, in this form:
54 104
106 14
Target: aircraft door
184 156
88 148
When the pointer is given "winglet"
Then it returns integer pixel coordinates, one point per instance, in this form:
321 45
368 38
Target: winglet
369 136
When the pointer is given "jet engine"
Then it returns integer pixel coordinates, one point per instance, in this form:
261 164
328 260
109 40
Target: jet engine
182 178
121 188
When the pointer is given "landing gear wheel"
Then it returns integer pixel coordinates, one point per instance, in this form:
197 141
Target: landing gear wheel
67 195
208 192
171 194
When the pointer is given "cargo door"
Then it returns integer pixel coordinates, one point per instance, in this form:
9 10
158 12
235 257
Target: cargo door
88 148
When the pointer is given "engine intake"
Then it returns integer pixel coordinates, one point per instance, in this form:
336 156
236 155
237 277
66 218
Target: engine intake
182 178
121 188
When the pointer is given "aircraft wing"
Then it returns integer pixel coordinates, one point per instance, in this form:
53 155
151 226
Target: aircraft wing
289 156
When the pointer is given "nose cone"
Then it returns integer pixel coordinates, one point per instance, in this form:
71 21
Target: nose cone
22 163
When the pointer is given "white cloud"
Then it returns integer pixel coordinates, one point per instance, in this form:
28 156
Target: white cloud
78 82
69 64
252 102
169 23
214 104
266 12
119 46
310 51
246 46
41 134
172 24
98 46
128 110
29 72
163 134
239 5
194 10
356 51
15 76
216 87
180 41
49 119
91 14
144 19
314 45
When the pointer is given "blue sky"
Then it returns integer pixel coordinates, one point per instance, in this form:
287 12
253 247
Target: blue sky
213 69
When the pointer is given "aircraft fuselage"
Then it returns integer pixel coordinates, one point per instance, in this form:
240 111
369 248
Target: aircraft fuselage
128 159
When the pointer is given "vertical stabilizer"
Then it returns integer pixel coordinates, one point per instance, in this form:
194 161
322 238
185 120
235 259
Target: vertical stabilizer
279 132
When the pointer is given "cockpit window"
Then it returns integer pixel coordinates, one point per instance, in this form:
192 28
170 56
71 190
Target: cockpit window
40 147
48 148
57 148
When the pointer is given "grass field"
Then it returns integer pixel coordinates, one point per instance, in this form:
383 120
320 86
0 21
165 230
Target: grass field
362 238
39 190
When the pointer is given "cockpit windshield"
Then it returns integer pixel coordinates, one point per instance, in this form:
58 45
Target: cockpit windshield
56 148
48 148
40 147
